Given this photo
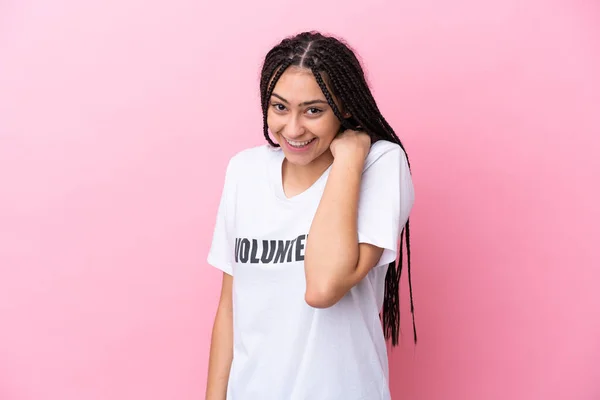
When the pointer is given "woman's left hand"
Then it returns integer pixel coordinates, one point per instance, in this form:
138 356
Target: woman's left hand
351 144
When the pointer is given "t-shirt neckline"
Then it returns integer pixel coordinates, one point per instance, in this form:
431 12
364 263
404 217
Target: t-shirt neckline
277 179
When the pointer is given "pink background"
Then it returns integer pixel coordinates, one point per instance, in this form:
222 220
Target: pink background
116 123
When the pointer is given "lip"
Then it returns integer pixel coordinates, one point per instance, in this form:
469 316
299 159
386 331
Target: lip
299 150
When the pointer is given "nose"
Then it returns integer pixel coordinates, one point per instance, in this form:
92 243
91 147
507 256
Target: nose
293 129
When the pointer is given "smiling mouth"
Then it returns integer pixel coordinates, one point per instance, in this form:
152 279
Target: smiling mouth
299 145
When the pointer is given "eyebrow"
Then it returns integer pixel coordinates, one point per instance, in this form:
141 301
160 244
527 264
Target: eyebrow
306 103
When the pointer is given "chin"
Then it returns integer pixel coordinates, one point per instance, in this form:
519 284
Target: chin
299 160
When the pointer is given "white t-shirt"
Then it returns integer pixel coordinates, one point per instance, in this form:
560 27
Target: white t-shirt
285 349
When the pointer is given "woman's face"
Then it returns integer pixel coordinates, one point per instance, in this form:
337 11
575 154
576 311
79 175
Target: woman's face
299 117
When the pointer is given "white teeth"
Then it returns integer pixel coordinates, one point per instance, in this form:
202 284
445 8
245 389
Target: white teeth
298 144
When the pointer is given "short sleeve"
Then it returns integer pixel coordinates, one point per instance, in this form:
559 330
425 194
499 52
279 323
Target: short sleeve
386 200
221 250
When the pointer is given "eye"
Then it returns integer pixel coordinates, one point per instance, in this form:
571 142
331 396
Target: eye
314 111
278 107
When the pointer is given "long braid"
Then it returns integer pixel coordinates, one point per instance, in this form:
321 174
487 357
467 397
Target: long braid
358 80
333 62
265 100
335 109
369 107
412 307
391 318
364 99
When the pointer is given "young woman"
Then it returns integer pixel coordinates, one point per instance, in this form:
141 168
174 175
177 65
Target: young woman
307 236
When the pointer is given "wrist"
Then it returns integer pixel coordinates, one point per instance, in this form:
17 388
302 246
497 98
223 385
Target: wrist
351 162
355 156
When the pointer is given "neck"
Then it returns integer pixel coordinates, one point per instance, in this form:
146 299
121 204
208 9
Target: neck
303 176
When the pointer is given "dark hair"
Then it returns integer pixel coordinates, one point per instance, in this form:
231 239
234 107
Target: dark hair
332 60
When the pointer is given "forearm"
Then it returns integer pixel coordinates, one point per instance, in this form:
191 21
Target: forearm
221 355
332 252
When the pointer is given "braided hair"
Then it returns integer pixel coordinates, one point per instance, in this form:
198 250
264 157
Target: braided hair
333 61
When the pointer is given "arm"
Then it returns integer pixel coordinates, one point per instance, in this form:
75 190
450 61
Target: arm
221 348
334 261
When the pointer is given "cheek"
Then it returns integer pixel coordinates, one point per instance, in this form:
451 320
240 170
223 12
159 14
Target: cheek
274 122
327 128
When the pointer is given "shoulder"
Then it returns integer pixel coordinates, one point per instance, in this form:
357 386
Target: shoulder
251 154
384 152
248 161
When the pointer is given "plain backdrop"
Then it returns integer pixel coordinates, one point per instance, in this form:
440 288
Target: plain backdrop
117 119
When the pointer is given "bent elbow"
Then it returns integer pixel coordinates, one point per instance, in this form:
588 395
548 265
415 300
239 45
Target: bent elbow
321 298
